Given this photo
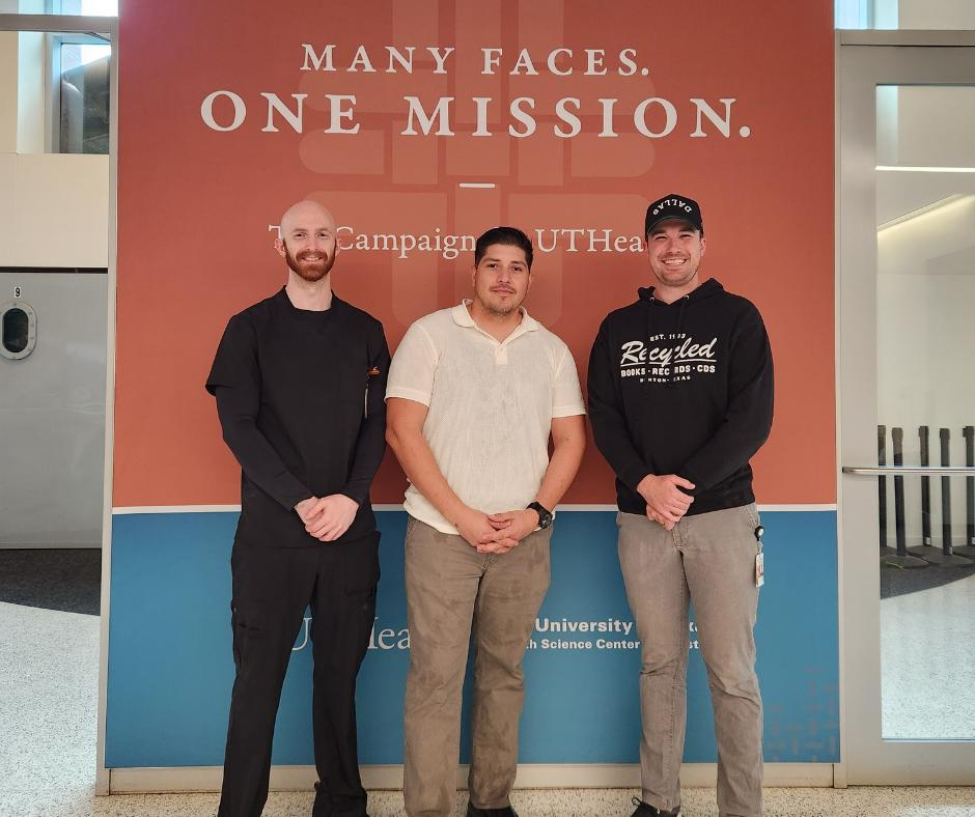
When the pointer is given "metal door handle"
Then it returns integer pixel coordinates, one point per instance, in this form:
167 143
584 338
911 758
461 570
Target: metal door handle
910 470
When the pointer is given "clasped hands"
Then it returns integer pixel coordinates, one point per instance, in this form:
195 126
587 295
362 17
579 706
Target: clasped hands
666 502
496 532
328 517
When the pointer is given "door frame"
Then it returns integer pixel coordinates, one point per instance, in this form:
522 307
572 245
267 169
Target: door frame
865 59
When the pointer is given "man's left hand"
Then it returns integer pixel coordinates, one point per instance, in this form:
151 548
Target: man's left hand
515 524
331 517
653 516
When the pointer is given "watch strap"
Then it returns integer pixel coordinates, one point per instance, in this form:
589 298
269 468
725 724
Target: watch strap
544 514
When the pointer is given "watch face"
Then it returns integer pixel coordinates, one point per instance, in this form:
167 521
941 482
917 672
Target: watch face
544 516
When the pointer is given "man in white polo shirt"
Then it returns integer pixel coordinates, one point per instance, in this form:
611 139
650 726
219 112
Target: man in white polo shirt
474 393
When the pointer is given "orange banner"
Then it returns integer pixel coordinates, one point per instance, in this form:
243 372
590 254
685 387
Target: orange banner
421 124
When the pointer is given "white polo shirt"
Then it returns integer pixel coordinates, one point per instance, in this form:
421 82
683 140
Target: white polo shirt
490 406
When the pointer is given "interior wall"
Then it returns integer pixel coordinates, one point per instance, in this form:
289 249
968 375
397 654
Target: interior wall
33 120
57 212
9 68
935 125
52 414
935 14
923 126
54 211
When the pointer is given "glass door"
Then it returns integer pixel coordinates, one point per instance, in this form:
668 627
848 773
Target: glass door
906 240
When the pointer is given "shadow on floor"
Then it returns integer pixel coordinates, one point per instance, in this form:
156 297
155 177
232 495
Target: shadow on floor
67 580
897 581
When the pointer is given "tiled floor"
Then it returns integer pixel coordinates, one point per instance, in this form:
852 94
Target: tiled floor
48 705
928 652
48 683
861 802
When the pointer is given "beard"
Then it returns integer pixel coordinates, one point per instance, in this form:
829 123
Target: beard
309 270
500 309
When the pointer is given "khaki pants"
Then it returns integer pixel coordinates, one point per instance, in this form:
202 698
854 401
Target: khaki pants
709 559
449 588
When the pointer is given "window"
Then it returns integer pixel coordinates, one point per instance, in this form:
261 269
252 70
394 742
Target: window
88 8
82 67
17 330
905 14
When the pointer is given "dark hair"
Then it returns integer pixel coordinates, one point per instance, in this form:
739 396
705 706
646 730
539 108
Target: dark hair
511 236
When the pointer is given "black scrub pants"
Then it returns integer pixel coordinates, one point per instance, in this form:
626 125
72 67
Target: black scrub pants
271 589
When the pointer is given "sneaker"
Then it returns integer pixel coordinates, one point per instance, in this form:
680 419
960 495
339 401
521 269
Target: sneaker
646 810
474 811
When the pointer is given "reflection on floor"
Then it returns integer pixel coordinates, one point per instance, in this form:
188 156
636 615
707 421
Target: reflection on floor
48 724
927 631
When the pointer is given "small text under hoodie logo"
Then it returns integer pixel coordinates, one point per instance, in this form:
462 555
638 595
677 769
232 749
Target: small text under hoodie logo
667 358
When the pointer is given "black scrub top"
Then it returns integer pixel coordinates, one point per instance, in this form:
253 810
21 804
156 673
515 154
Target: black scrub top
301 399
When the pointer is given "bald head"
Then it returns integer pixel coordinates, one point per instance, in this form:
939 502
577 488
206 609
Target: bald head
307 240
307 213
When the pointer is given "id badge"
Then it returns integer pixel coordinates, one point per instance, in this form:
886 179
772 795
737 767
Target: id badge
759 558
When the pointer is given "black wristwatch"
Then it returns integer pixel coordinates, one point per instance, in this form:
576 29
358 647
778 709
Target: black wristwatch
544 515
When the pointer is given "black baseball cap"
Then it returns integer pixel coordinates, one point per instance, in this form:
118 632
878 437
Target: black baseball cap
673 206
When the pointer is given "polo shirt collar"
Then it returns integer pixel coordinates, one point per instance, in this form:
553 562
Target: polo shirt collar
462 317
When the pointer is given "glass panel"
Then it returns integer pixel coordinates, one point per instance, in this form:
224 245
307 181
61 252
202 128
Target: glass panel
16 325
88 8
96 8
57 86
927 601
926 405
905 14
84 98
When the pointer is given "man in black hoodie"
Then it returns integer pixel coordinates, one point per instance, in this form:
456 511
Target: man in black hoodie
680 398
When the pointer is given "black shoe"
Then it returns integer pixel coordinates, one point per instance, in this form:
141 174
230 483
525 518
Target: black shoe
474 811
646 810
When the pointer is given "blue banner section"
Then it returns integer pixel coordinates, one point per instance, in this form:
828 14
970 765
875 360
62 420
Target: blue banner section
171 667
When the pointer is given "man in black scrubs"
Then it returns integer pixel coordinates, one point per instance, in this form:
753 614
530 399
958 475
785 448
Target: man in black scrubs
300 381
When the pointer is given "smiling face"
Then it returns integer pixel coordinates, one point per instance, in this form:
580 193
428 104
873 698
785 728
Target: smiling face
675 249
307 240
501 279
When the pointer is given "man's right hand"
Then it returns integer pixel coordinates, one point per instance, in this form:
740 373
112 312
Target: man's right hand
666 503
476 529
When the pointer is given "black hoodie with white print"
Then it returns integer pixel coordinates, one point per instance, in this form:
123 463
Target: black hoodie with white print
682 388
